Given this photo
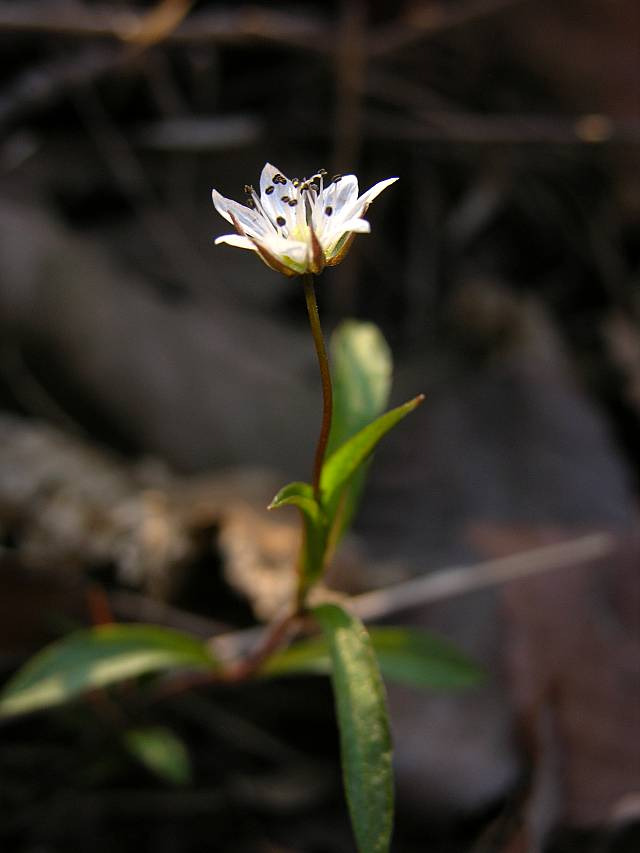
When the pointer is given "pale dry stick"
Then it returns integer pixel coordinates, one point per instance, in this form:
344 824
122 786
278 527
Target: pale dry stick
446 583
458 580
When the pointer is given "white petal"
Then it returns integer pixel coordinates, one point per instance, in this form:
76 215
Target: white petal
376 189
266 177
357 226
366 198
236 240
252 222
294 249
341 194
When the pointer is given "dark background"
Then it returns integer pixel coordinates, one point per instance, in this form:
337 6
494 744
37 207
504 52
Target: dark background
154 388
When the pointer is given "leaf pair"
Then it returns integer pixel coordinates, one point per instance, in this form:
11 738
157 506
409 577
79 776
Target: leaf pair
362 376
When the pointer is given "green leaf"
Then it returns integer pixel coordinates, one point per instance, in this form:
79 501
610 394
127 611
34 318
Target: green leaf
406 655
97 657
345 461
314 545
364 728
299 495
161 752
361 367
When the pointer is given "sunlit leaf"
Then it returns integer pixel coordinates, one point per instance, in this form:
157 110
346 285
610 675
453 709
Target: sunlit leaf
345 461
97 657
364 728
314 543
361 368
162 752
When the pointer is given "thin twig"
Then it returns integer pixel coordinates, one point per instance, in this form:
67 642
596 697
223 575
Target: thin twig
431 19
473 128
459 580
250 23
448 583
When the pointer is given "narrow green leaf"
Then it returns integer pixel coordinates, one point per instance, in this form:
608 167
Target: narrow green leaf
364 728
299 495
361 368
97 657
406 655
346 460
161 752
420 659
314 544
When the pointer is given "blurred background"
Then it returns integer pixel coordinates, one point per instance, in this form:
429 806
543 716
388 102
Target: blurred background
156 390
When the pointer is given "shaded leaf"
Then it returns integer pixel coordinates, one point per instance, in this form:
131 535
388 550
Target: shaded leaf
405 655
161 752
97 657
364 728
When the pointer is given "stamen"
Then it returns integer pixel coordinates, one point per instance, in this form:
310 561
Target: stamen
281 221
322 172
293 202
328 210
279 179
251 203
284 198
248 189
269 190
336 178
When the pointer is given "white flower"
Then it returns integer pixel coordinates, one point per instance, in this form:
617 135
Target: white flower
299 226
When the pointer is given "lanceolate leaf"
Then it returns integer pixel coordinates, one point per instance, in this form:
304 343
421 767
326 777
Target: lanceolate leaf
314 543
364 728
405 655
98 657
345 461
300 495
361 367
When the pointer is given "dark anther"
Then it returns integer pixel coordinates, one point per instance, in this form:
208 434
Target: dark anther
269 190
293 202
281 221
251 203
336 178
279 179
248 189
328 210
322 172
315 186
284 198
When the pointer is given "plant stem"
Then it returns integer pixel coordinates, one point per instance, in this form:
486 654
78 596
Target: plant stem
325 377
